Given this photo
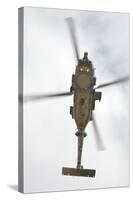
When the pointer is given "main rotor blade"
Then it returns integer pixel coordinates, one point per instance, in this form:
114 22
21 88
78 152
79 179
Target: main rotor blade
113 82
72 31
99 141
38 97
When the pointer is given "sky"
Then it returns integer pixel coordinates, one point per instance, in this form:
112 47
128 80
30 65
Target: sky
49 130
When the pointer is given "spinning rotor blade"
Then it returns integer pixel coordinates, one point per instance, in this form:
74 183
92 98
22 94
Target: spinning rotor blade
113 82
72 31
39 97
99 142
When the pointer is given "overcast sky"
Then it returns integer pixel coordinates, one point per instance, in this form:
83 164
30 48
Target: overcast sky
49 130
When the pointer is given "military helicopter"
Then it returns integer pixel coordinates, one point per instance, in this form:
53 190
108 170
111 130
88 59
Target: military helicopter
84 96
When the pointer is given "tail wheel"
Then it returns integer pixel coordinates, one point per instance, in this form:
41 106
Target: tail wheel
79 133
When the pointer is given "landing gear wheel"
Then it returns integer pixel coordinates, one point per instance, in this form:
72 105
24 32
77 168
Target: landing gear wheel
71 89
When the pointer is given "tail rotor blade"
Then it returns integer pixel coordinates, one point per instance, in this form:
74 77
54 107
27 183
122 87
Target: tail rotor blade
99 141
121 80
38 97
72 31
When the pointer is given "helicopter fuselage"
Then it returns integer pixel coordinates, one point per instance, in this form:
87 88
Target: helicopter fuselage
83 83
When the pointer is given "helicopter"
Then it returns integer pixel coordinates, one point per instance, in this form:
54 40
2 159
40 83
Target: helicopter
84 93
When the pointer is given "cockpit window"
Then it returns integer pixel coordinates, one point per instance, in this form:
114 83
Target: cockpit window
84 69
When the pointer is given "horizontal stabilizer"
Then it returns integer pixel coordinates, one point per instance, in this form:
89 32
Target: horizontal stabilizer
78 172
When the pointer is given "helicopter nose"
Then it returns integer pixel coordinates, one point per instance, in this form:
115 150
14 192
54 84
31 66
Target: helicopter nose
85 55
